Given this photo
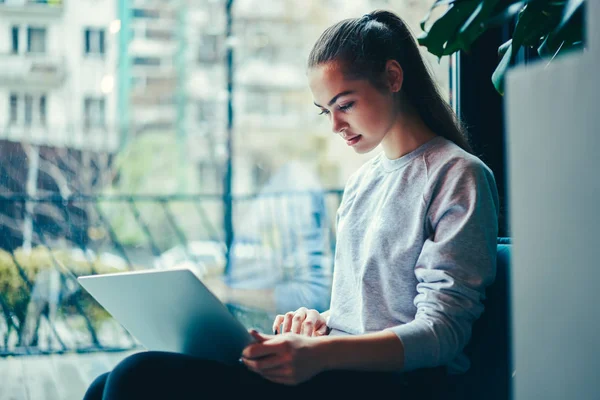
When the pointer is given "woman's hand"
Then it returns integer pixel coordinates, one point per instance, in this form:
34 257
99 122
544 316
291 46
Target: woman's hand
303 322
287 359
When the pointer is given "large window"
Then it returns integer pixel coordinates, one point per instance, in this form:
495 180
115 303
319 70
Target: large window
123 164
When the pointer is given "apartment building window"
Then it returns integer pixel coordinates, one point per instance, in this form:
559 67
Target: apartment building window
209 48
209 174
257 102
153 61
268 53
36 40
14 108
207 111
260 174
43 110
159 34
145 13
28 109
264 102
94 41
14 32
94 110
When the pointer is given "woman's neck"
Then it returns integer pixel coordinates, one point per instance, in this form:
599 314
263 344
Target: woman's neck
408 133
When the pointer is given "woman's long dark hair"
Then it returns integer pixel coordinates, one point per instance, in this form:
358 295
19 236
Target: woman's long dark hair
364 45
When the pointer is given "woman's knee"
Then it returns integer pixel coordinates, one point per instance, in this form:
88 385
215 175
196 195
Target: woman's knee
139 366
151 374
96 389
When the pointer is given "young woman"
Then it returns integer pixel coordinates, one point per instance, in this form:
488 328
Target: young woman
415 250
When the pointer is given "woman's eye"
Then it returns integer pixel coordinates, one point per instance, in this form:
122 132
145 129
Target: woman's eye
346 107
324 112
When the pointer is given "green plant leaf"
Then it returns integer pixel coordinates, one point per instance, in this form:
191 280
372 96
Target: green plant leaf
569 30
506 13
572 7
504 48
529 19
474 26
500 71
529 25
446 26
547 25
433 7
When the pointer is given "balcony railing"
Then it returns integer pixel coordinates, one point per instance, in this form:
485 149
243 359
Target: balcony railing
104 139
50 8
55 239
32 70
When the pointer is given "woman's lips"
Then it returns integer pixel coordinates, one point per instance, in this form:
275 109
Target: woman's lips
353 140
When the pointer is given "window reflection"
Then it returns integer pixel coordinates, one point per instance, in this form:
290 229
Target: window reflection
114 148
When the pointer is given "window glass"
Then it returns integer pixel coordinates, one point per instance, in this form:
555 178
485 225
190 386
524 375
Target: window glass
121 164
36 40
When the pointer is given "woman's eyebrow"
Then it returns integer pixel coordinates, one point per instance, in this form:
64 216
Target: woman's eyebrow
345 93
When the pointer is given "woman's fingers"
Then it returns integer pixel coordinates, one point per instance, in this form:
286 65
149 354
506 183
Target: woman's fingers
310 322
277 324
298 320
320 329
302 321
264 364
258 336
287 322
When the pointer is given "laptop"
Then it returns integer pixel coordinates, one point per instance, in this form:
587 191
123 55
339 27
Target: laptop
170 310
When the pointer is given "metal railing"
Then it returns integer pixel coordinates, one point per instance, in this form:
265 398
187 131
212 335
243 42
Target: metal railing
49 241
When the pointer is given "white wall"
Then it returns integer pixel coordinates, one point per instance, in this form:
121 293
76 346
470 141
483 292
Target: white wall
65 43
554 149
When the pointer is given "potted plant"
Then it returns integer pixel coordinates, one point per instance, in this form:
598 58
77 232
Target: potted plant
551 27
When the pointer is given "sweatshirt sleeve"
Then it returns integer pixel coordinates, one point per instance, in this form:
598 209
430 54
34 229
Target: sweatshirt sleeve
456 264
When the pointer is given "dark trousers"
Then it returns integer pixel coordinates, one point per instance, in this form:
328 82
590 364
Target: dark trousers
159 375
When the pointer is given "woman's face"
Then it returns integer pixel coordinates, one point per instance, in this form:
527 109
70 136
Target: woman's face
358 111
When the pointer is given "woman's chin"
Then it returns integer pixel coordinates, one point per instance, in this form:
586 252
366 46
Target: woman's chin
360 148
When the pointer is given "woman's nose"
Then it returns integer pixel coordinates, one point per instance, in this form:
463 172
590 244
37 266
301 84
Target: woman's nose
338 124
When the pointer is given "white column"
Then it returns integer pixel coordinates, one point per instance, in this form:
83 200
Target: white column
553 115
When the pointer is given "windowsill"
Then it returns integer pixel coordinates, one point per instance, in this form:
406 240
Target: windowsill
94 56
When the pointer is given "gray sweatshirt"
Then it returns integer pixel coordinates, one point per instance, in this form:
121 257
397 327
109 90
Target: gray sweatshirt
415 250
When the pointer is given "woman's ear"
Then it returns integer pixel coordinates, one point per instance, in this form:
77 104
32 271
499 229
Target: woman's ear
394 75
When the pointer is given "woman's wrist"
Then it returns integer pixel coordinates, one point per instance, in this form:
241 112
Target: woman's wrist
377 351
323 353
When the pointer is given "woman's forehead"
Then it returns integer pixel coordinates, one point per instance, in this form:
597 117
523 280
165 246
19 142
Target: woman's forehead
326 73
328 80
